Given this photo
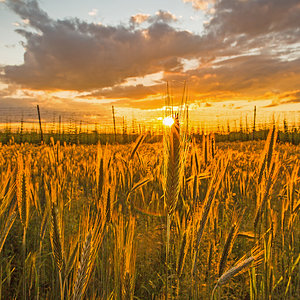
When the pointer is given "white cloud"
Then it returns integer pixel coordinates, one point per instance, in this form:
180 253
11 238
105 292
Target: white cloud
189 64
93 12
160 16
148 80
200 4
165 16
139 18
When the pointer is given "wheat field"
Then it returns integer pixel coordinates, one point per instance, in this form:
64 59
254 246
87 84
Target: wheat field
172 220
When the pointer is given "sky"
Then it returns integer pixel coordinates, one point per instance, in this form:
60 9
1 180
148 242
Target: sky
79 58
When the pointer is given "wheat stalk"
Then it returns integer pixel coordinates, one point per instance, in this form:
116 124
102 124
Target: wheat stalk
9 223
210 196
182 255
83 270
23 202
22 185
227 248
173 167
235 270
56 241
138 143
239 268
267 153
99 173
266 191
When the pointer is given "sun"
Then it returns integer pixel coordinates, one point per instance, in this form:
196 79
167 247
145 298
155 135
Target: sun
168 121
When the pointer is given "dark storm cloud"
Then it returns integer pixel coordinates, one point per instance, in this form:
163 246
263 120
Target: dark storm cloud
134 92
250 75
248 47
255 17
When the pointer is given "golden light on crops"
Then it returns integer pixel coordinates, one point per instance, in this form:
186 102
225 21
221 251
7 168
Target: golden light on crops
168 121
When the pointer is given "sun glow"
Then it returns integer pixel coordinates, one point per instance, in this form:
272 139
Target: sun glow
168 121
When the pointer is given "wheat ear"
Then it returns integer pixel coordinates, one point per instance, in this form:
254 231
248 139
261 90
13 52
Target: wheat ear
22 192
83 270
227 248
55 235
173 167
239 268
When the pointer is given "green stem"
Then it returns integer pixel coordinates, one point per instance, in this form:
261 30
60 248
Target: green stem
167 255
24 263
61 285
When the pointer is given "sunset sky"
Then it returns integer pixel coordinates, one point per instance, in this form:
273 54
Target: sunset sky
82 57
